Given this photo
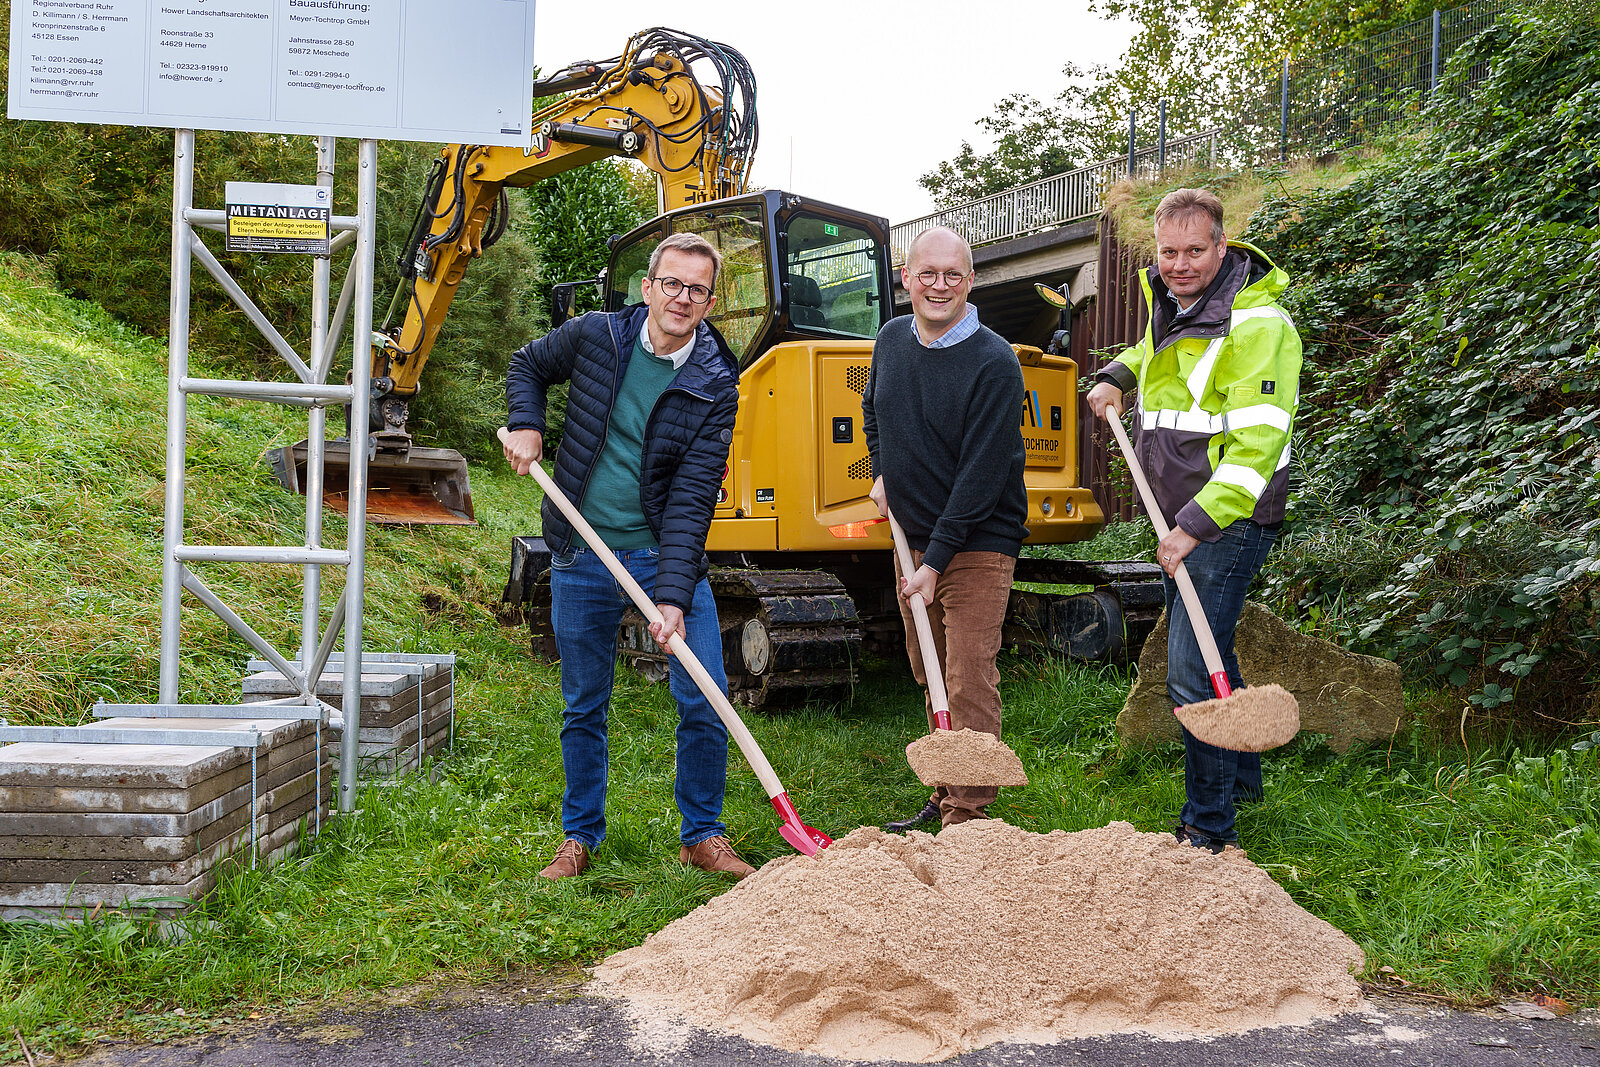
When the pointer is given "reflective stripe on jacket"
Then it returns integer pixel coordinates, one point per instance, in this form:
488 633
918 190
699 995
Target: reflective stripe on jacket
1217 399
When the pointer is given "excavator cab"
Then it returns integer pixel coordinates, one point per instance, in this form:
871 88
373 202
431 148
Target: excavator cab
793 269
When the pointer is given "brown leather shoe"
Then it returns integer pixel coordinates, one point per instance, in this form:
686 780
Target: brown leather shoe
715 854
571 858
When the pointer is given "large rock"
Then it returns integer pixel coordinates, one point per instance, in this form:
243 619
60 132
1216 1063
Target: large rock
1346 696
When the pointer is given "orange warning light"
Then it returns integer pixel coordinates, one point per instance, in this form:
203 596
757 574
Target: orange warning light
854 529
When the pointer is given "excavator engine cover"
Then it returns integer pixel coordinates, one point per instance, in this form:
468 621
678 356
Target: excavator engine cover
426 486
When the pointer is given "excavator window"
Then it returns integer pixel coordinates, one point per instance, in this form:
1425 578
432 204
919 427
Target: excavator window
629 265
744 297
832 275
744 292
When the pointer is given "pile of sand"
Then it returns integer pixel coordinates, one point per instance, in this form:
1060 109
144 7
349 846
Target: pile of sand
921 947
964 757
1251 720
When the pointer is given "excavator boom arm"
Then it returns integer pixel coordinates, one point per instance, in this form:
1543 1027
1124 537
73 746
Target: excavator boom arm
647 104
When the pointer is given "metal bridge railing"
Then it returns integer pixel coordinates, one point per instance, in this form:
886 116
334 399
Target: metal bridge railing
1049 202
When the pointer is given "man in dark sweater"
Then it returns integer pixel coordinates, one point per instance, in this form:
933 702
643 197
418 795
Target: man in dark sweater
942 419
650 416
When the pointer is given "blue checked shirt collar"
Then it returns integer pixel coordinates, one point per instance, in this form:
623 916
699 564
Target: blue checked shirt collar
955 334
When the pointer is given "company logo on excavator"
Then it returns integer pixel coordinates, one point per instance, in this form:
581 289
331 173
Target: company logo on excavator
1030 410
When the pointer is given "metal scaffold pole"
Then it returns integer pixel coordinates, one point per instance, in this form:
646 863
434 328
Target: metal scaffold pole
361 373
177 413
317 424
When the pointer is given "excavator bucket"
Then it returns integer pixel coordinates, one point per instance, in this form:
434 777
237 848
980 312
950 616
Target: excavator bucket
426 486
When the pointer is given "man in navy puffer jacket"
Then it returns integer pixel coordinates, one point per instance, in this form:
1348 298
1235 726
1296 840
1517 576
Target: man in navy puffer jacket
649 420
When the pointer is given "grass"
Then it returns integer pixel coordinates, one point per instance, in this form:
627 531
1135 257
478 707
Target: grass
1469 873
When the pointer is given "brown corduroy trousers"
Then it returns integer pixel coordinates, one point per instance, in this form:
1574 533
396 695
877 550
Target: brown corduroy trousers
966 616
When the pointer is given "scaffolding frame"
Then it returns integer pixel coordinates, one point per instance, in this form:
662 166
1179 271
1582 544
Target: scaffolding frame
311 391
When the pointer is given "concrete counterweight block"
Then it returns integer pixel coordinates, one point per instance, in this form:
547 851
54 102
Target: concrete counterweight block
407 706
90 826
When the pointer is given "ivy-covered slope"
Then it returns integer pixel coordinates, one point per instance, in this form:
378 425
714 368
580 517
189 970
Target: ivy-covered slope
1449 429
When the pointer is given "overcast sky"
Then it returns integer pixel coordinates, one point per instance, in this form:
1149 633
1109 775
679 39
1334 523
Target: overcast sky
870 94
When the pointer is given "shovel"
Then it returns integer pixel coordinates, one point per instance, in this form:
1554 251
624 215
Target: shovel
989 761
1254 719
806 839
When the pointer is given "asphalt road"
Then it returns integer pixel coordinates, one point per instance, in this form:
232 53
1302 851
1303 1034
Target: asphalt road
479 1028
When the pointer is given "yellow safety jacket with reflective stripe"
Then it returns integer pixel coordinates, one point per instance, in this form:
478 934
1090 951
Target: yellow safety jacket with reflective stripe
1217 398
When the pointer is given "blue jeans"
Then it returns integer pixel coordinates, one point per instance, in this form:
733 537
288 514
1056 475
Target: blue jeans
586 611
1213 778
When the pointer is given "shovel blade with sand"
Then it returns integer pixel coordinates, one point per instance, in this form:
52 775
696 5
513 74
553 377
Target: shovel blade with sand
947 756
1255 718
806 840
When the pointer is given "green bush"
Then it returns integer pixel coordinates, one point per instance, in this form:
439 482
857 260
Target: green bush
1450 300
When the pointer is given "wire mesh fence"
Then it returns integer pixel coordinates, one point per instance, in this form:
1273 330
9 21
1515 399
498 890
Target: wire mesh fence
1348 95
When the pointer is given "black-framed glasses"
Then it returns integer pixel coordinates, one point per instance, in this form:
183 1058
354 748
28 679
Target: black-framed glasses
698 294
952 278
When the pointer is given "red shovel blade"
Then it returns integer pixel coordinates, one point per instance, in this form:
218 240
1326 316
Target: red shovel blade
807 840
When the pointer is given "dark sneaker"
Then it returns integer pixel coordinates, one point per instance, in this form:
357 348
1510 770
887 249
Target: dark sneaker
715 854
929 813
571 858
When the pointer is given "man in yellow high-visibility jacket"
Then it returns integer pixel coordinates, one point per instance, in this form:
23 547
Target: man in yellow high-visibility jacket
1217 375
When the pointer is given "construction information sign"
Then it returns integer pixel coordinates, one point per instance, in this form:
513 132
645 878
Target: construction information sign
267 217
410 70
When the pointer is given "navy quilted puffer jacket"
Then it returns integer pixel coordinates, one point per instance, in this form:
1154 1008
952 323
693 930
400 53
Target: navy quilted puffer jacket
685 441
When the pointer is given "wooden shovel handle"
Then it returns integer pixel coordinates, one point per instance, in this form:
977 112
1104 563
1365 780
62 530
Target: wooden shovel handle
1191 599
702 678
919 615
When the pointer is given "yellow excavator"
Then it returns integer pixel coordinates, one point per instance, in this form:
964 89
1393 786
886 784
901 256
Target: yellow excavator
802 573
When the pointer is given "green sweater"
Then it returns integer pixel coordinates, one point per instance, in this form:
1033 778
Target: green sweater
611 501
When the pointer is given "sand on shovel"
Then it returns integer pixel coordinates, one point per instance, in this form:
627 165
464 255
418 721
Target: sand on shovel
964 757
1251 720
921 947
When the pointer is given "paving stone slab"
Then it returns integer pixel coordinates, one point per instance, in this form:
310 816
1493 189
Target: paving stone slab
146 824
106 847
375 710
379 692
294 789
89 798
294 812
430 676
404 733
408 740
274 731
373 725
404 761
306 765
133 872
63 813
422 664
31 763
25 900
